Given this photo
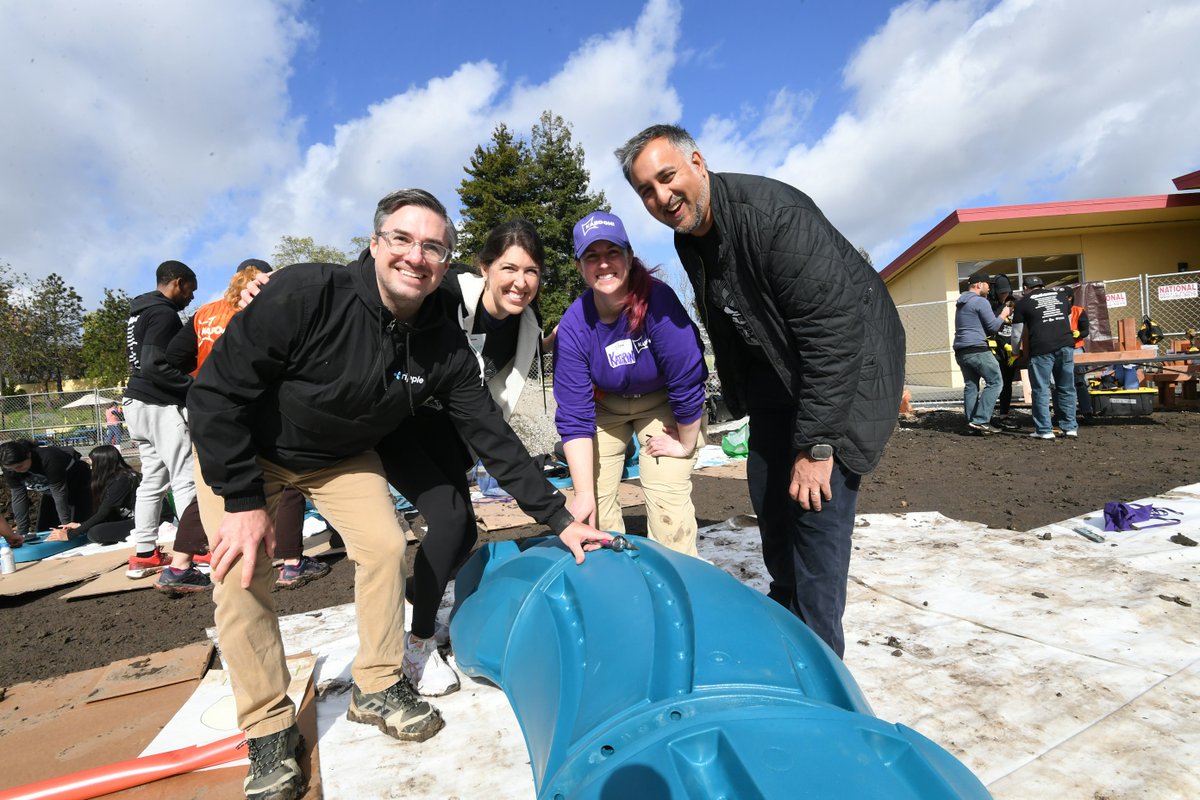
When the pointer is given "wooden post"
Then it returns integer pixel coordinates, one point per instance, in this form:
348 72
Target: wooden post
1127 335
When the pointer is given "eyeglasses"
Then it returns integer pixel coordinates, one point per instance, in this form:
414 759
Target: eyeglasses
401 244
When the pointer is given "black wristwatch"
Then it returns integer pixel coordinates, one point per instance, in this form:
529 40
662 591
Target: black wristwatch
820 452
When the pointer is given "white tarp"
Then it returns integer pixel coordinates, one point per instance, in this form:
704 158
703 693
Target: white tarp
1052 667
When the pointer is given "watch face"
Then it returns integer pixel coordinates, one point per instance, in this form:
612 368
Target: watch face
821 452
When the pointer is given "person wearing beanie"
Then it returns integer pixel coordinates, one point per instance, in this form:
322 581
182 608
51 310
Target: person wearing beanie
1004 348
974 325
1047 339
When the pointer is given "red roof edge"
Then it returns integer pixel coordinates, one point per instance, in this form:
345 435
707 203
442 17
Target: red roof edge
910 255
1031 210
1189 181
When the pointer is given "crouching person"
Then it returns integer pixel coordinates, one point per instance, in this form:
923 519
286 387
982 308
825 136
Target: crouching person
298 392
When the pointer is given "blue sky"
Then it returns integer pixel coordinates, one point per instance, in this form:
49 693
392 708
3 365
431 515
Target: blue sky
141 131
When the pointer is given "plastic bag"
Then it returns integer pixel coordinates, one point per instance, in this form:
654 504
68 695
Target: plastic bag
736 444
1120 516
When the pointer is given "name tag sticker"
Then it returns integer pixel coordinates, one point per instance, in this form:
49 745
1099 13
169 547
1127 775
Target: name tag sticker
620 353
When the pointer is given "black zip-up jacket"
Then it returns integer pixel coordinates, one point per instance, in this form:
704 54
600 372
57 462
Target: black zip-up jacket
822 314
316 369
153 322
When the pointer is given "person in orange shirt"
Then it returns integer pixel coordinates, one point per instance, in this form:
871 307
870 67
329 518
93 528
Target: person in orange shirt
1079 330
188 351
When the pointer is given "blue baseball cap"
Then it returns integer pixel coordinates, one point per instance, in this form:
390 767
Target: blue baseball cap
599 226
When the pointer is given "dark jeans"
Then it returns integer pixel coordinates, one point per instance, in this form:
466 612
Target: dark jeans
427 463
289 527
1007 371
807 553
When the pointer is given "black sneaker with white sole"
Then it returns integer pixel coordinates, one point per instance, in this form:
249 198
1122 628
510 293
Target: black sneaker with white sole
398 711
274 766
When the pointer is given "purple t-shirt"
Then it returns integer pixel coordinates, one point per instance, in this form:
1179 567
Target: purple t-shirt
590 355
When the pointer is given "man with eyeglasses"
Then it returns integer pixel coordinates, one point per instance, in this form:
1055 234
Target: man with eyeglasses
305 382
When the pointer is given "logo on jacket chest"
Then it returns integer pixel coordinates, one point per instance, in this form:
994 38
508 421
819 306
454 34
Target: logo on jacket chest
413 380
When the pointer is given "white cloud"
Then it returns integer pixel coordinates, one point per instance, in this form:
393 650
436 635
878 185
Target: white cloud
131 125
171 131
959 102
609 88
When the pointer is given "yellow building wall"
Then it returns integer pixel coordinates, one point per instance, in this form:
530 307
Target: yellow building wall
1109 256
1106 256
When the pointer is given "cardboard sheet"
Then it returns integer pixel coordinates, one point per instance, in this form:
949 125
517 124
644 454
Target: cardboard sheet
735 468
151 672
115 581
48 729
497 515
210 714
62 571
111 582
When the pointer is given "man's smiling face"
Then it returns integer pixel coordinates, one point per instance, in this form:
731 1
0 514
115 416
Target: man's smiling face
673 187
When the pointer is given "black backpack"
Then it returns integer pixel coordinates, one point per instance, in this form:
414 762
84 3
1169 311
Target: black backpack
1150 332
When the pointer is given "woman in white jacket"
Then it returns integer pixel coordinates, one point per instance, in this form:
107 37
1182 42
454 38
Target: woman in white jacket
495 311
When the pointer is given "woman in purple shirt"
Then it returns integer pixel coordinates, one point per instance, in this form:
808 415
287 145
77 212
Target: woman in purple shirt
628 362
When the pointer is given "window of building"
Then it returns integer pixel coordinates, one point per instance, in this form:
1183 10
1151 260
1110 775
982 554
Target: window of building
1060 270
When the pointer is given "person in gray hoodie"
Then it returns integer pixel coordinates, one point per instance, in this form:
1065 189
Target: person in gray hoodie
974 322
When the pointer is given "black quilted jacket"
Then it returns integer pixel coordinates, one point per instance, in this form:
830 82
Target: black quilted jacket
820 311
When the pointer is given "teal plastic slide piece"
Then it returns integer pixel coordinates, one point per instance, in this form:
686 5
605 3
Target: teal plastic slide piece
650 674
37 549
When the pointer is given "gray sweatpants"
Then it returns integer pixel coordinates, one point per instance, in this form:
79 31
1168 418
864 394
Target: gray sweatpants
165 447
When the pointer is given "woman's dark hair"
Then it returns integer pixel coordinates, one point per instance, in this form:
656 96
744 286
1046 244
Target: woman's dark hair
15 452
107 464
516 232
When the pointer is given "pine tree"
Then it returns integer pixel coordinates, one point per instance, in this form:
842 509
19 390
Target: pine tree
104 355
55 323
11 336
499 188
562 183
544 181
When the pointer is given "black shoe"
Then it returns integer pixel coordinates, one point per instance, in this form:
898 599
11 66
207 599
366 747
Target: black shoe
1005 425
274 769
397 711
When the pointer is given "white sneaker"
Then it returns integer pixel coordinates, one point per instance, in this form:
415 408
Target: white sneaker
1036 435
1071 434
426 669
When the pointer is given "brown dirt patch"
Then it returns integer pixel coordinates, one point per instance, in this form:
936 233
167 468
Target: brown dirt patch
1005 481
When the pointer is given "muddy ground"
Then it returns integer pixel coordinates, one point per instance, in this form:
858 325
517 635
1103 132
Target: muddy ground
1005 481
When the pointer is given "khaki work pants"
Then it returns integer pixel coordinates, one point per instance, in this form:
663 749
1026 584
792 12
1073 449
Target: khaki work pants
353 496
667 482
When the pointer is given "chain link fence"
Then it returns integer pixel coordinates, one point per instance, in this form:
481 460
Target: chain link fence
65 419
1126 300
1173 302
930 371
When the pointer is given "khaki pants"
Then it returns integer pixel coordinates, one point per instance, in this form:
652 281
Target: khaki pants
667 482
353 496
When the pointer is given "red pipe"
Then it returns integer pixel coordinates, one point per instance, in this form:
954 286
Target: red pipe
127 774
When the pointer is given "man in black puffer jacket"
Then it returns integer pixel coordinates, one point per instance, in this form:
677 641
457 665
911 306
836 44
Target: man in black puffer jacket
298 391
807 341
